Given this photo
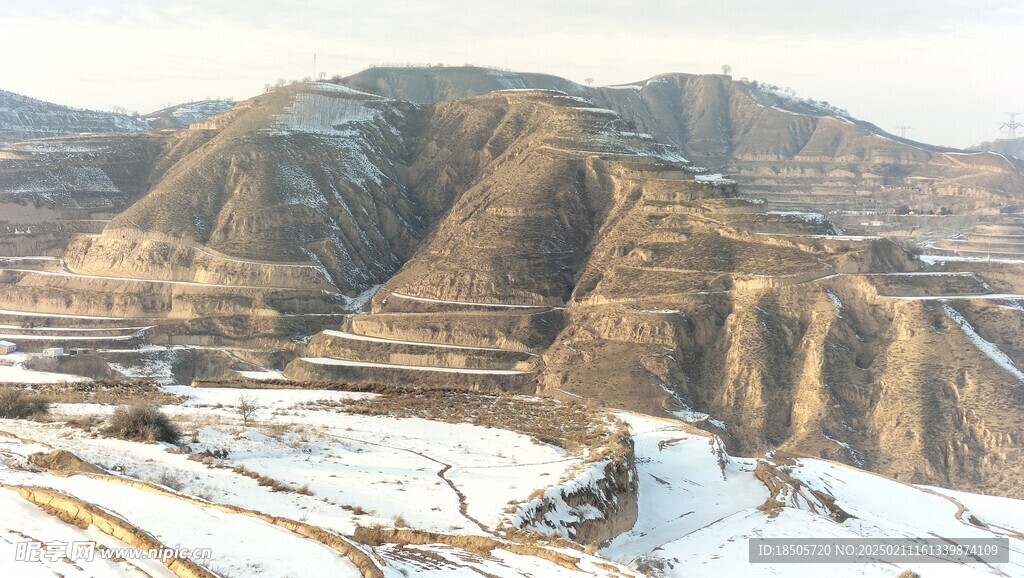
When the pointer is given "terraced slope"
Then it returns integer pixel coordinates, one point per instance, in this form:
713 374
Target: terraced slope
23 118
796 151
536 241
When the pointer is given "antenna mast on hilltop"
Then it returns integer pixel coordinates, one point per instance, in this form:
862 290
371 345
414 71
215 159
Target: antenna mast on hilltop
1012 126
903 130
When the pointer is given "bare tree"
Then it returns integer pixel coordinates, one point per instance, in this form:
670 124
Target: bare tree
726 69
246 408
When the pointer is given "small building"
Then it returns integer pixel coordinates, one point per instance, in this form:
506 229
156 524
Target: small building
7 347
53 351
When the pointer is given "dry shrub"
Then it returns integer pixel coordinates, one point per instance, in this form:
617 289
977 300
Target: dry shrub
20 404
144 423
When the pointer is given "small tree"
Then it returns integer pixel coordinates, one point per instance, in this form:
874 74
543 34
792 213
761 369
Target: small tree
589 81
726 69
246 408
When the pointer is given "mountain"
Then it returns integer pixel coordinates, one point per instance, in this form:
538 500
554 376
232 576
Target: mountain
24 118
785 148
1013 149
182 115
550 238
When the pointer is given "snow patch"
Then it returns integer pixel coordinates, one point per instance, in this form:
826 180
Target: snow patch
986 347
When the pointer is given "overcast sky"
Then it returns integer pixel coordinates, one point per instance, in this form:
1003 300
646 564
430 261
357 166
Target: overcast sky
949 68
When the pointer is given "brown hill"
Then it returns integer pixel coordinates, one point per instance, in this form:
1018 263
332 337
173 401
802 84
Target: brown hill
540 241
791 150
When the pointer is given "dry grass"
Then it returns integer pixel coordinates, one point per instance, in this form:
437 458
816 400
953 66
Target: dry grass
265 481
20 404
104 391
376 536
145 423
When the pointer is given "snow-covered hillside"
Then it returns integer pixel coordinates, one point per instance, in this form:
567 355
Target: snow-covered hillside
23 118
311 475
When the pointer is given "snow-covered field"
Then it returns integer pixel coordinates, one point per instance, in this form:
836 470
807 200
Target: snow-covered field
470 303
13 370
698 509
301 456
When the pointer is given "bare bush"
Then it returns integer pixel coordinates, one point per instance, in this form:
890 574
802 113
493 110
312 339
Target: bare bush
246 408
20 404
144 423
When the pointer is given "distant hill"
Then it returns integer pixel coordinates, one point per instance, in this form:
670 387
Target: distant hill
1010 148
24 118
773 142
182 115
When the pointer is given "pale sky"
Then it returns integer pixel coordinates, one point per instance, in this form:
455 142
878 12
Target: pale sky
949 68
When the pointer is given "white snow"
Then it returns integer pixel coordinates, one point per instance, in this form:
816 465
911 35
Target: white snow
265 550
13 370
350 363
24 337
31 258
359 301
836 302
357 337
21 521
388 467
986 347
153 366
933 259
714 178
682 487
60 315
982 296
261 375
317 113
1001 515
473 303
803 216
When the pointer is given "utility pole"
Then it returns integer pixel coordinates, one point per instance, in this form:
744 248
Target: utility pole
1012 125
903 130
314 66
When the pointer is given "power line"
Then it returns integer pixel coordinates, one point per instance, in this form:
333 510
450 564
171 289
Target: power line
903 130
1012 125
